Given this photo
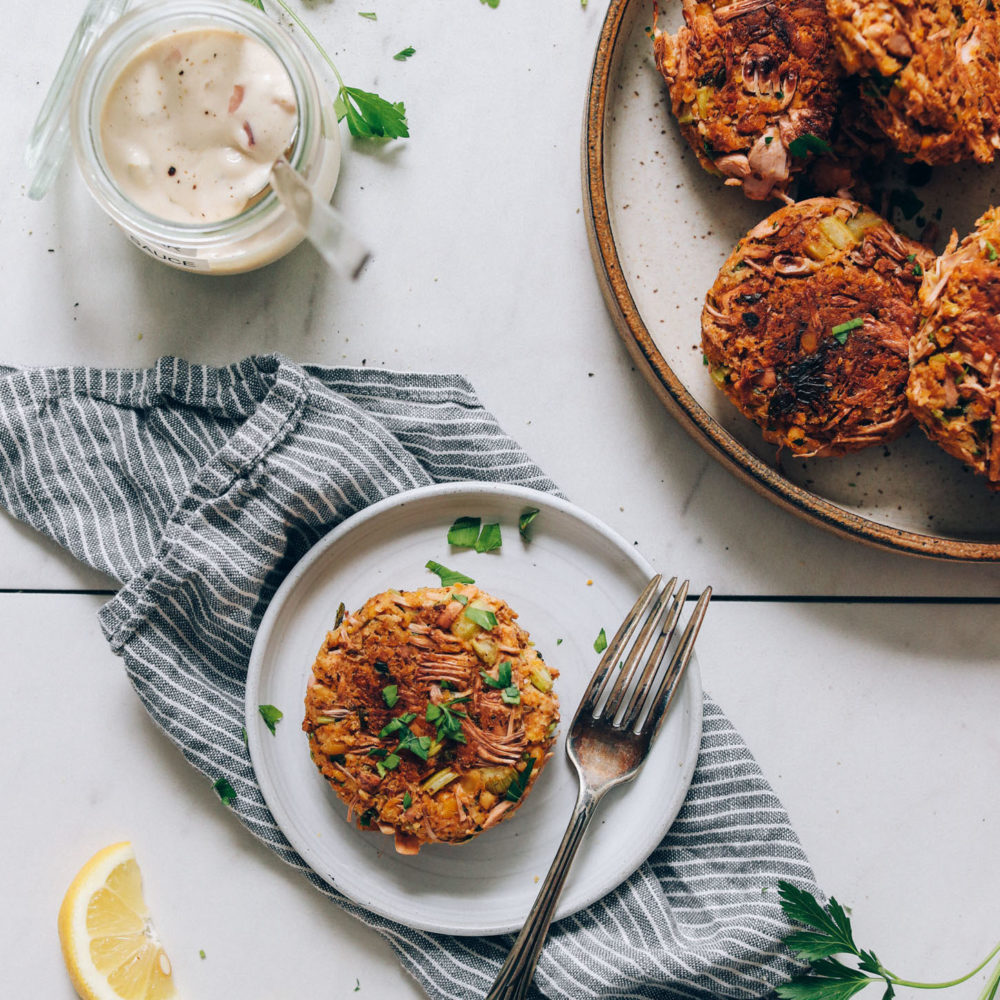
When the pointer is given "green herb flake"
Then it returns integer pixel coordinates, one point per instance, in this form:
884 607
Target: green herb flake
341 611
520 782
918 271
225 791
449 577
464 532
503 679
271 716
357 985
403 54
808 143
256 3
491 3
407 800
841 330
601 642
201 953
558 642
489 538
369 14
390 694
991 251
483 617
461 598
524 521
768 139
511 695
243 733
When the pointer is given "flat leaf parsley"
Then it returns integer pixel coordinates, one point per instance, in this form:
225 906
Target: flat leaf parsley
830 934
368 115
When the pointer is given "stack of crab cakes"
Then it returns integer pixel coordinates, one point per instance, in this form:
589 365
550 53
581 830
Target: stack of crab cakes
430 714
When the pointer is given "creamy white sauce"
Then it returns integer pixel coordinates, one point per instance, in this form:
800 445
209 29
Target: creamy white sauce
192 125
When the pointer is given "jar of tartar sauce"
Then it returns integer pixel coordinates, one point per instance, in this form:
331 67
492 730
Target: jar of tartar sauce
177 113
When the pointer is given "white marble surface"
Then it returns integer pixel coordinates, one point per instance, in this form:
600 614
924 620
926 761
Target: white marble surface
875 721
876 725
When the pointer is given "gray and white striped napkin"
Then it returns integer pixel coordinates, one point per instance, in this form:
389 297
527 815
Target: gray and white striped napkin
199 488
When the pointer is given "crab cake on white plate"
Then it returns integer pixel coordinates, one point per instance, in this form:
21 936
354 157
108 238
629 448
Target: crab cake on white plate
807 327
928 73
754 86
954 386
431 714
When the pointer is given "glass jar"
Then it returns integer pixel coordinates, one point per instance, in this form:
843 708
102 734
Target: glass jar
262 232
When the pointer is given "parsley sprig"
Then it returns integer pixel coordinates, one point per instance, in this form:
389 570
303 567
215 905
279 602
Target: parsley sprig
368 115
504 680
829 935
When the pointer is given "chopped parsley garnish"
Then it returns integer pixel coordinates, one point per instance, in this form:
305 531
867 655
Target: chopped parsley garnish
768 139
403 54
390 694
407 800
491 3
225 791
357 985
449 577
558 642
991 251
525 520
201 952
504 678
271 716
447 719
417 745
511 695
365 819
390 763
841 330
808 143
489 538
243 733
340 615
601 642
461 598
464 532
918 271
483 617
370 14
395 725
520 782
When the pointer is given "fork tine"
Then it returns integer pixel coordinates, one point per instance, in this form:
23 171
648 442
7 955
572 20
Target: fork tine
638 699
629 665
593 693
675 671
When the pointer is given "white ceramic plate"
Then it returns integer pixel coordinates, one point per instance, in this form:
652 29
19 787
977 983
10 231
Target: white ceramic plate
487 886
661 227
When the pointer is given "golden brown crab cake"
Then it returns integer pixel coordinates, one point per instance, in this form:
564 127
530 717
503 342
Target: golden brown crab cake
929 72
430 714
954 386
754 85
808 324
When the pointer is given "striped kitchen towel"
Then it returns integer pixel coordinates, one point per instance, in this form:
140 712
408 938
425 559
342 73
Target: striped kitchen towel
199 488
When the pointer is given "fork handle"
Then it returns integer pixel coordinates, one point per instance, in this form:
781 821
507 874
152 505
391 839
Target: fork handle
515 975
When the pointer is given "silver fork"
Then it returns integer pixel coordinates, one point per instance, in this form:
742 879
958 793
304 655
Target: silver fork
608 746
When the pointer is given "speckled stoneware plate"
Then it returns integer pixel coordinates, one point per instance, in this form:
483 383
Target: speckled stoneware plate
488 885
660 230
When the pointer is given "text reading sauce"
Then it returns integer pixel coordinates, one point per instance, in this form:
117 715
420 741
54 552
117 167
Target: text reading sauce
192 125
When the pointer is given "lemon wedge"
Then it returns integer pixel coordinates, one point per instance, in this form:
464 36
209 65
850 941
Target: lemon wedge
108 942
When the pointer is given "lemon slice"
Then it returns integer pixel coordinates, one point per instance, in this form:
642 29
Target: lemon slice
108 942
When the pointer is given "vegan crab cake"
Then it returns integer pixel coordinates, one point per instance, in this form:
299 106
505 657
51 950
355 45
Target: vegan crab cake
430 714
754 86
929 72
808 324
954 386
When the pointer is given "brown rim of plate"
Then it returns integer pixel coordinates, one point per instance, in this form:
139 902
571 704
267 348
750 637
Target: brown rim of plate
671 391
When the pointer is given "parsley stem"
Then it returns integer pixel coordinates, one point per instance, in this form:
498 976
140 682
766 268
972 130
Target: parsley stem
994 979
312 38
